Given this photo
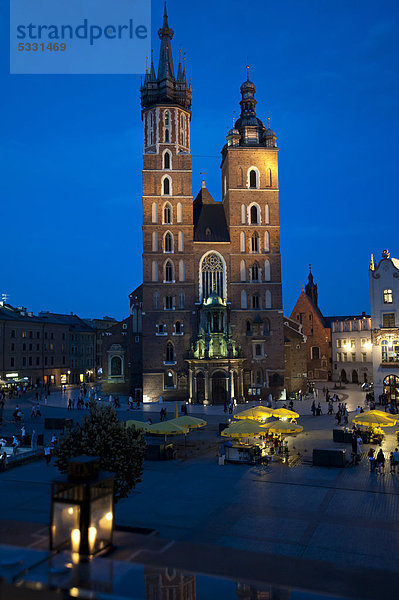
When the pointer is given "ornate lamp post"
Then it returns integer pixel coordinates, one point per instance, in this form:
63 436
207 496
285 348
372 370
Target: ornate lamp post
82 508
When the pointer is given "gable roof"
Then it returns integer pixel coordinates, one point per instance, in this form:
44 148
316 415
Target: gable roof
209 219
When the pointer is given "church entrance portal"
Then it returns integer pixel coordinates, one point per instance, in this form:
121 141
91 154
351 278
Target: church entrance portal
219 388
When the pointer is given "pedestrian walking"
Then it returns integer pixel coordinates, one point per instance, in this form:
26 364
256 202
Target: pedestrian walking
47 454
313 408
23 435
396 460
359 443
370 455
380 461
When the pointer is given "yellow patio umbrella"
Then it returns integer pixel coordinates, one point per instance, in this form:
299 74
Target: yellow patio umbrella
243 428
387 415
284 413
257 413
167 428
137 425
371 419
176 411
283 427
190 422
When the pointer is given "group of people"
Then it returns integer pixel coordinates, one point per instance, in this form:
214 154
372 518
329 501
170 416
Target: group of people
316 410
377 461
36 412
342 413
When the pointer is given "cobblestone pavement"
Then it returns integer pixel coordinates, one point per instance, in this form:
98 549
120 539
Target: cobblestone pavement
346 516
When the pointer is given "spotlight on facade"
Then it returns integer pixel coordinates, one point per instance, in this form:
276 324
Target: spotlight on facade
82 509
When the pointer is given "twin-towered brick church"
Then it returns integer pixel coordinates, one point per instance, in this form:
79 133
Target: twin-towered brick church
212 297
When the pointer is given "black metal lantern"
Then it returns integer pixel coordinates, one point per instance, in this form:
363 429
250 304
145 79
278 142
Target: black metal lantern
82 508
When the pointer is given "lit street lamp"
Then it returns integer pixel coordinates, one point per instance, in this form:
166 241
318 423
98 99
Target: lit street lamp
82 508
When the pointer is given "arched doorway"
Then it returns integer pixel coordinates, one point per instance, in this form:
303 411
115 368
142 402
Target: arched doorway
343 376
355 376
219 388
391 388
200 388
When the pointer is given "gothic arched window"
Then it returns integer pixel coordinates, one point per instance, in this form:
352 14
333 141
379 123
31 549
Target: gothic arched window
166 160
178 327
170 352
166 117
167 214
254 215
255 302
168 242
255 272
267 270
166 186
252 179
212 275
255 242
168 271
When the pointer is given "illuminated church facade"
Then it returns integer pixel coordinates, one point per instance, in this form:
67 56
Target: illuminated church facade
212 327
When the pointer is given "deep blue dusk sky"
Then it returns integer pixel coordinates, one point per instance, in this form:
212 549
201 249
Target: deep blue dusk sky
326 72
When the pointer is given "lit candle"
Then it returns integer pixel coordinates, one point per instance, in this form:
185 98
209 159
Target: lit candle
75 540
92 538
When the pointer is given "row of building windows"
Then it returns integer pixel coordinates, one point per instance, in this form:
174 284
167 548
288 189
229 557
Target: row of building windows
34 335
255 272
28 361
168 271
254 301
250 215
168 244
161 328
167 122
350 357
254 244
29 347
344 343
169 302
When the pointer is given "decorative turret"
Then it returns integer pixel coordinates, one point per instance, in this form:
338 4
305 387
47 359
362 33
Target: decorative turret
311 287
165 88
249 129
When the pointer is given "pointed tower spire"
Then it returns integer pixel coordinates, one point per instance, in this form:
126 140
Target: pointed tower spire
153 76
311 287
164 88
165 67
180 75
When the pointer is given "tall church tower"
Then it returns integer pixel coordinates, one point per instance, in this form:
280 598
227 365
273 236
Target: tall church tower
167 223
251 201
212 300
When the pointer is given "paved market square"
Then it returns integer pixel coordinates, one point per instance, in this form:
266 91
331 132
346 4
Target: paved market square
345 516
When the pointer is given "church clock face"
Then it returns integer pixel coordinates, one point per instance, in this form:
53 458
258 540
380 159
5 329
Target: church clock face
247 95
